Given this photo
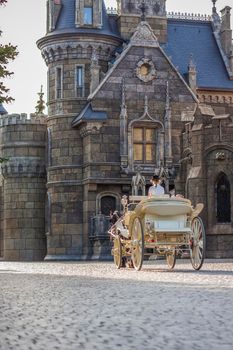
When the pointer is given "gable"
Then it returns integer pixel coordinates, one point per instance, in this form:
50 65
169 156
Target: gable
143 47
109 93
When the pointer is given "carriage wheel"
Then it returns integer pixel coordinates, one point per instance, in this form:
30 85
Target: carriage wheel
171 259
197 244
137 243
117 251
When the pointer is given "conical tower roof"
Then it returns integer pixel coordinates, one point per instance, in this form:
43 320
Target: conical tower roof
65 22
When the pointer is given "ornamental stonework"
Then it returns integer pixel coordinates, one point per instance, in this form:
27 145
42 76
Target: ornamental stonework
145 70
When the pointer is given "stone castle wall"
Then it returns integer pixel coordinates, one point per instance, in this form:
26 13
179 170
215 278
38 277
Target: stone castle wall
23 143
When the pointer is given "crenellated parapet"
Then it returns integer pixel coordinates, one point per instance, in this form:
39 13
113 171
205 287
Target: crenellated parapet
23 118
22 143
22 146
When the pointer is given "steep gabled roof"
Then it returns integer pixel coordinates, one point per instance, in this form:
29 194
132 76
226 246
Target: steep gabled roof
196 38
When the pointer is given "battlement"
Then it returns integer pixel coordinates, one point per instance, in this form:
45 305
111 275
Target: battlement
23 118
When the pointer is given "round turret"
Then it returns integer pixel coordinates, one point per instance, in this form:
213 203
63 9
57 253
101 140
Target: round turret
80 41
77 31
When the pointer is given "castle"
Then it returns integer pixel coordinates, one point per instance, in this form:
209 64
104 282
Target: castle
130 90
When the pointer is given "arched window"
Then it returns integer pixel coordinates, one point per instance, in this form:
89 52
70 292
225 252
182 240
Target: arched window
144 144
223 199
107 203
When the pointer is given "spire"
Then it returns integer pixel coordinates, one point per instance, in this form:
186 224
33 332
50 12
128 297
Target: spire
94 57
143 9
95 71
167 108
214 10
123 102
191 64
215 17
146 106
167 127
40 103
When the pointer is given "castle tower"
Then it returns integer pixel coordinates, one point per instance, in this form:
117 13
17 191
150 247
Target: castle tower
132 11
79 42
23 187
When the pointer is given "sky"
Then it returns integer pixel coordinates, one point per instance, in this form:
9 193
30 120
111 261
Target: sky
23 22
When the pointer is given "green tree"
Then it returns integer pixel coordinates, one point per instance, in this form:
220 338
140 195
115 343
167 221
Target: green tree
7 53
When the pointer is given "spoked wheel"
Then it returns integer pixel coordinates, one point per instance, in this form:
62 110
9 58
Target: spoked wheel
137 243
198 243
171 259
117 251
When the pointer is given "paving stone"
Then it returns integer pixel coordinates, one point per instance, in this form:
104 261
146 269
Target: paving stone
92 305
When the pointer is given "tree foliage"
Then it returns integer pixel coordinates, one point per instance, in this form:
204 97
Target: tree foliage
8 53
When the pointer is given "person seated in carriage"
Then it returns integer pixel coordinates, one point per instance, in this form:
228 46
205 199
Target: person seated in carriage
156 189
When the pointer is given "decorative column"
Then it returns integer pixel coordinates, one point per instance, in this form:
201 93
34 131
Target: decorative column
123 130
167 127
192 75
95 71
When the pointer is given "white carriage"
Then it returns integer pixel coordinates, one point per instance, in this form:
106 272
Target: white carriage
161 226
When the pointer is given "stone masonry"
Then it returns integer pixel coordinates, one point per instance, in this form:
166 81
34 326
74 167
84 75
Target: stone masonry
23 190
111 77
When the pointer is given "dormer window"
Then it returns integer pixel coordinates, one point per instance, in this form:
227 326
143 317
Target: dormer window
53 11
88 15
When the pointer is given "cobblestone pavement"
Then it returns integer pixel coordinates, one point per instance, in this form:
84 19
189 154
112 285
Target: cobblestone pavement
85 306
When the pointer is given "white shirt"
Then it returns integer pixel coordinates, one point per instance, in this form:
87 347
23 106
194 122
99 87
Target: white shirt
156 190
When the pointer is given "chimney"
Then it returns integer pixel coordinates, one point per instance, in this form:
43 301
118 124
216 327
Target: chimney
225 31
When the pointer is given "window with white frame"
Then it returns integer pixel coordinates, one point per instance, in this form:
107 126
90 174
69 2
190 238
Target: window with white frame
79 81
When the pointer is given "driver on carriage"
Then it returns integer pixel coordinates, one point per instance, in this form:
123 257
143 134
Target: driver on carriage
156 189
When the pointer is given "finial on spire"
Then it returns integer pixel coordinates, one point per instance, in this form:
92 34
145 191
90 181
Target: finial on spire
94 57
143 8
123 99
191 64
40 103
214 10
167 96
